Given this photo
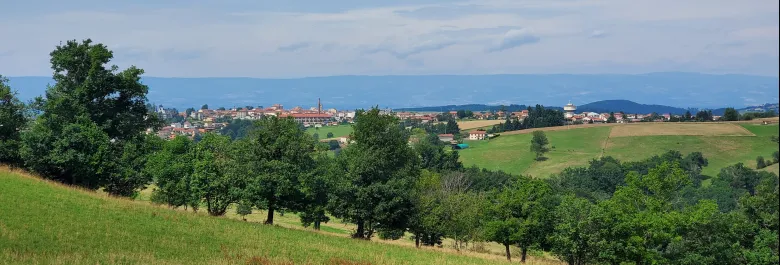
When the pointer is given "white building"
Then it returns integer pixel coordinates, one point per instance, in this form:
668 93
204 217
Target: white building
569 109
477 135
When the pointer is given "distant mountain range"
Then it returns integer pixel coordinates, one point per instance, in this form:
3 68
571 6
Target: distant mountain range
602 106
681 90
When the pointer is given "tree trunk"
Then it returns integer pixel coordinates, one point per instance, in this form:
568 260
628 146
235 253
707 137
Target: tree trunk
360 233
523 254
508 255
417 240
270 219
317 225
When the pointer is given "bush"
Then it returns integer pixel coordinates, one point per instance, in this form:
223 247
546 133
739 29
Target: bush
775 157
330 135
760 163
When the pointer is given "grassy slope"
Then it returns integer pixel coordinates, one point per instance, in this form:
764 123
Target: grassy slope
338 131
577 146
46 223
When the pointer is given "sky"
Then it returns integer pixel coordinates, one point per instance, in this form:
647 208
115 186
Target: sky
298 38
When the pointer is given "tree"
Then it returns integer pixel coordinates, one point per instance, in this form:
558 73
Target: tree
249 107
572 236
688 116
12 121
316 136
330 135
217 178
171 169
433 156
730 114
775 157
316 187
90 116
380 169
275 154
189 112
243 209
461 114
539 144
521 215
205 106
760 162
221 108
333 144
611 118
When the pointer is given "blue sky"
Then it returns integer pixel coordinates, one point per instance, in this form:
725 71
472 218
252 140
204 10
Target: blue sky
295 38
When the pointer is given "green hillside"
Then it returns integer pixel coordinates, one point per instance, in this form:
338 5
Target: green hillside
576 147
45 223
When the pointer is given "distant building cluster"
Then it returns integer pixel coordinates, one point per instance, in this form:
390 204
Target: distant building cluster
200 121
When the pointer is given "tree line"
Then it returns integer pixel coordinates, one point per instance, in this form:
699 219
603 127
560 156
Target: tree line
89 131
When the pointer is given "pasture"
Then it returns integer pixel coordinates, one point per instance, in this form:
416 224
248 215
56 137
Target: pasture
722 144
48 223
689 129
338 131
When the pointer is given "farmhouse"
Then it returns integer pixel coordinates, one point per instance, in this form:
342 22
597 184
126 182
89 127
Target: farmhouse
477 135
447 137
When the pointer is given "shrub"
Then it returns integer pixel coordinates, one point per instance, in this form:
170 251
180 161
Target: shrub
760 163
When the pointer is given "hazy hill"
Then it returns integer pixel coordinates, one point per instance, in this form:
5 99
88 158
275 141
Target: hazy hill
628 106
682 90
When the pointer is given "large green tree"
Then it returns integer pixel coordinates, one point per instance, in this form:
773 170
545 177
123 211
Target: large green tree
12 121
522 216
172 170
216 179
275 154
380 169
730 114
88 117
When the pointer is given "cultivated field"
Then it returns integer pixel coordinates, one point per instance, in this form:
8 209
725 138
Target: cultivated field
694 129
47 223
576 145
466 125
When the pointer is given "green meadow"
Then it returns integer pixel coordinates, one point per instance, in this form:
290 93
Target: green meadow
47 223
577 146
338 131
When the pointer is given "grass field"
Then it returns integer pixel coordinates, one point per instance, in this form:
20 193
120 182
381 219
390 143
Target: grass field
47 223
576 146
338 131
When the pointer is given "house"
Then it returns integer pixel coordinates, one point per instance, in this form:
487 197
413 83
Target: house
477 135
308 118
446 137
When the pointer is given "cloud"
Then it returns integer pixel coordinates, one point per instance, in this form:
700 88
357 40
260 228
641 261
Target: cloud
405 51
597 34
426 46
514 38
293 47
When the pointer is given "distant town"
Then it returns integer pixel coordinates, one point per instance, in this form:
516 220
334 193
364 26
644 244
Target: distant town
193 122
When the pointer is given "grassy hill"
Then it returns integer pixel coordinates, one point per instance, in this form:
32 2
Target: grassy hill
43 222
577 146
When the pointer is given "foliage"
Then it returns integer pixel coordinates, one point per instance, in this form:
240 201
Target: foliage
730 114
539 144
172 170
380 168
12 122
237 128
273 157
760 162
611 118
330 135
434 157
216 179
90 116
